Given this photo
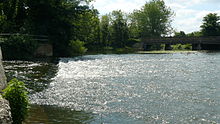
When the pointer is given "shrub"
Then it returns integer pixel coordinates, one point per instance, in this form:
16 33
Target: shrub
187 47
77 47
182 47
16 94
19 47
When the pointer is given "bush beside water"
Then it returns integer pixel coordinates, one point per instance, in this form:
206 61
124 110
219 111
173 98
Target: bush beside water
16 94
77 47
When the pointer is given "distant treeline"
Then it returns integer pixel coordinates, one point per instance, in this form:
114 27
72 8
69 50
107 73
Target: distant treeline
73 26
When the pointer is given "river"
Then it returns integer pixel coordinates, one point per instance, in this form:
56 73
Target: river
122 89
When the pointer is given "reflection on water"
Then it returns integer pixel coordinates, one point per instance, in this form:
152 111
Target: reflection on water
56 115
131 89
36 75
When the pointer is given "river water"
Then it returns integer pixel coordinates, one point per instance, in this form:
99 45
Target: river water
123 89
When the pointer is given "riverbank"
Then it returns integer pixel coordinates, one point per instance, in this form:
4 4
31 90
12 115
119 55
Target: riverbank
167 52
176 51
132 51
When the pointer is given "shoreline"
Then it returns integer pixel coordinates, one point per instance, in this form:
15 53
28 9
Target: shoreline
166 52
175 51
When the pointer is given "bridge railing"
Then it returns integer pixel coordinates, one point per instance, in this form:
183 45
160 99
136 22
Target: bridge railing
40 38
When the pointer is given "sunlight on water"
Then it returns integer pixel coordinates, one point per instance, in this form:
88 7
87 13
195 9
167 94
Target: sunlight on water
127 89
176 88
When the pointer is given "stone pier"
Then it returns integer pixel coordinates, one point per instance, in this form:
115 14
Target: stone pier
2 74
5 111
196 47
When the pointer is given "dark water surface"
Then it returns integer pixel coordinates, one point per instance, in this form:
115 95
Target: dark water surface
123 89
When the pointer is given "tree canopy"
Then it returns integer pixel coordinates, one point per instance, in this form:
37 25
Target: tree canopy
154 19
72 25
211 25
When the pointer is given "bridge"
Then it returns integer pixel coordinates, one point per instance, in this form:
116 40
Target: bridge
45 49
198 43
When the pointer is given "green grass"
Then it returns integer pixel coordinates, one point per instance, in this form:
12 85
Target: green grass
166 52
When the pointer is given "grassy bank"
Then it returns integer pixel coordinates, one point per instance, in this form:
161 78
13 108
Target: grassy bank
169 52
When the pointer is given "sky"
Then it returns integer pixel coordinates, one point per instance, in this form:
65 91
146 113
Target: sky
188 13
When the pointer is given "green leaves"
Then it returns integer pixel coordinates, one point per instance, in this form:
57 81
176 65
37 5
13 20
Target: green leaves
154 19
119 29
19 47
16 94
77 47
211 25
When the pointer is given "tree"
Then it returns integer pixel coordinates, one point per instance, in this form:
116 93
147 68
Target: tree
211 25
180 34
88 28
195 34
13 14
119 29
154 19
134 30
105 30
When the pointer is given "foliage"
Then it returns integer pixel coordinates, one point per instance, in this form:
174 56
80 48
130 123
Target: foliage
105 31
133 27
88 28
211 25
57 19
180 34
119 29
75 22
182 47
154 19
19 47
16 94
195 34
77 47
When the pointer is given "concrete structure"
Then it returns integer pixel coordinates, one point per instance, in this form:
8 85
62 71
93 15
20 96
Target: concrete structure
2 74
5 111
198 43
44 50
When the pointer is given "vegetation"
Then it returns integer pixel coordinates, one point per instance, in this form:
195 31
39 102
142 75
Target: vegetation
154 19
73 26
77 47
211 25
16 94
19 47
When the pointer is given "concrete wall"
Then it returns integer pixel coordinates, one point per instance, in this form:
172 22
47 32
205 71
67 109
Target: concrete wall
2 74
44 50
5 111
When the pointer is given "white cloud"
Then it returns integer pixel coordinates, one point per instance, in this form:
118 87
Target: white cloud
106 6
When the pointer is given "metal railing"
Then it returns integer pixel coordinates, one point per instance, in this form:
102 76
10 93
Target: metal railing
33 37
